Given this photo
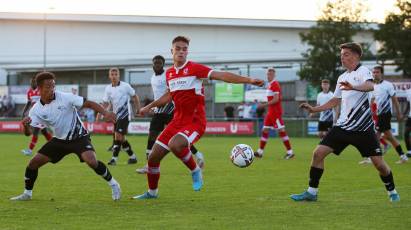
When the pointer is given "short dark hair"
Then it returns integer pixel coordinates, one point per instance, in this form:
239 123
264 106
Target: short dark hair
181 39
42 76
353 46
159 57
325 81
380 68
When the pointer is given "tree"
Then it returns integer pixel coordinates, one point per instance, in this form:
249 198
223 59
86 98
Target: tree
395 36
338 23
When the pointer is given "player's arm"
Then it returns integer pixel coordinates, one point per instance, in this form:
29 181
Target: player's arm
108 116
163 100
234 78
367 86
407 108
136 102
337 113
396 104
27 130
25 109
333 102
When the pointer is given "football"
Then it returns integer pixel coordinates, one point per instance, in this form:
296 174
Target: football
242 155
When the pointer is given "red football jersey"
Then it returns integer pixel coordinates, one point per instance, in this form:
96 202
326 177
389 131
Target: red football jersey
273 89
186 88
33 95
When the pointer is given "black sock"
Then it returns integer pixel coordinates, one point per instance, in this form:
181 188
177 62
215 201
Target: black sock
193 150
407 138
103 171
127 147
388 181
30 178
116 148
399 150
315 176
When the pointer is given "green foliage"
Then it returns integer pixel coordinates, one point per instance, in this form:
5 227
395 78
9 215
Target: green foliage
337 25
395 35
69 195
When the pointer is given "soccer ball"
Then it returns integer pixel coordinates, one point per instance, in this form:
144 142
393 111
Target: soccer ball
242 155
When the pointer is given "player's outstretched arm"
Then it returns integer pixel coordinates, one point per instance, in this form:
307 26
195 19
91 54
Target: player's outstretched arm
163 100
397 107
26 126
26 109
108 116
235 78
333 102
364 87
136 101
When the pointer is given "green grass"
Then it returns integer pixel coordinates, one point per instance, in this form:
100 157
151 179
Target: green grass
69 195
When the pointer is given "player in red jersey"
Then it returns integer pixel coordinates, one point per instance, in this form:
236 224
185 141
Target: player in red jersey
33 95
185 88
273 119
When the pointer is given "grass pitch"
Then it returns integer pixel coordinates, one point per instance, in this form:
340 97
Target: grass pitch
69 195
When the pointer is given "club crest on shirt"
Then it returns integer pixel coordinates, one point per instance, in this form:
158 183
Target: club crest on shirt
185 71
61 107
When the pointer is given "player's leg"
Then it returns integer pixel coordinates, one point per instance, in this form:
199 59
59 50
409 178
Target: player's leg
407 137
110 149
30 176
386 177
33 142
118 139
199 156
46 134
284 137
396 144
89 157
159 151
180 146
265 133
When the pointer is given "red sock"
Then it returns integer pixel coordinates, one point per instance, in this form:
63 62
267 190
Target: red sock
285 139
382 141
33 142
263 139
187 158
153 175
48 136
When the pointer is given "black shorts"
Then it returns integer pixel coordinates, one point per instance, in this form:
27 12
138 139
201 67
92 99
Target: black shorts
408 123
57 149
384 122
324 126
366 142
159 121
121 126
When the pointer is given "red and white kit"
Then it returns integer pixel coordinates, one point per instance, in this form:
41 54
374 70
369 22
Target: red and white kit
274 119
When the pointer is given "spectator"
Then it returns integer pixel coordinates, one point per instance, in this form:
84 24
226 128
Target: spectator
240 110
229 112
248 112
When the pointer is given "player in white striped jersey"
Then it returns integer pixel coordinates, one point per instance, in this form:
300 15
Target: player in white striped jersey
118 94
384 97
325 122
162 115
58 110
407 129
354 126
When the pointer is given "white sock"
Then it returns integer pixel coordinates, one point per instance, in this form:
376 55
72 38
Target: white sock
404 157
195 170
312 190
112 181
114 158
290 151
199 155
133 156
392 192
153 192
28 192
409 152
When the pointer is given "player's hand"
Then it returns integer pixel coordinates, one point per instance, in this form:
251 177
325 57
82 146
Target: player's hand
110 117
262 105
145 110
399 117
257 82
307 107
26 126
345 85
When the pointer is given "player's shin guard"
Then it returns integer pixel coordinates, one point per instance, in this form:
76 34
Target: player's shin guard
103 171
153 175
116 148
263 139
127 147
315 176
46 134
30 177
286 140
33 142
187 158
388 182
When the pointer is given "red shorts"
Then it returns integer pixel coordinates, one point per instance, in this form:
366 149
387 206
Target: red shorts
273 121
192 132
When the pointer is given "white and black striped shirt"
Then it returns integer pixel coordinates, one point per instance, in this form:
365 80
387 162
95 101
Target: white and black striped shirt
382 93
409 101
323 98
61 115
355 105
159 86
119 97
